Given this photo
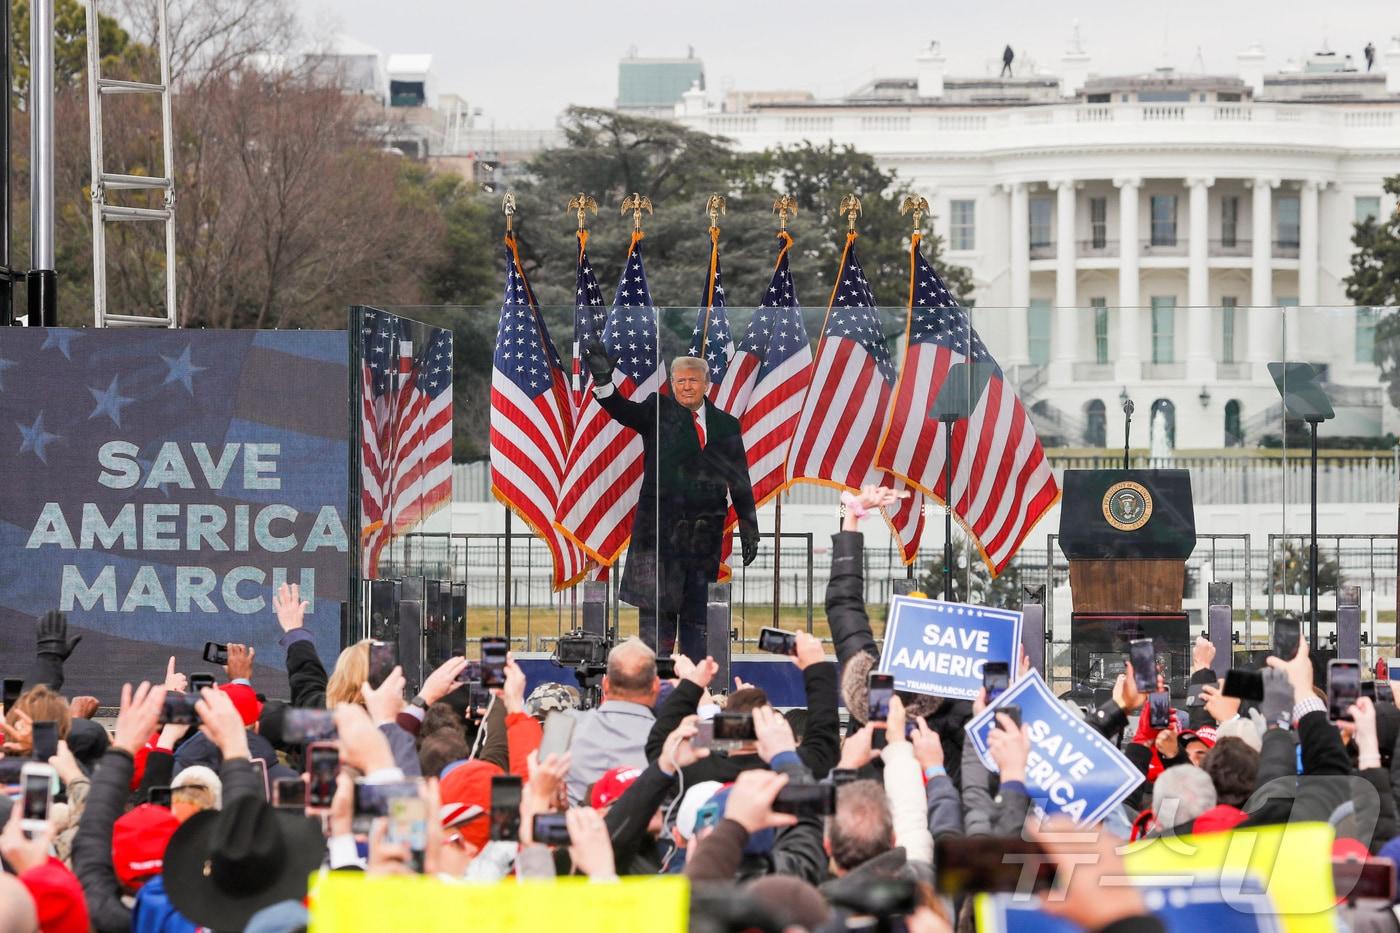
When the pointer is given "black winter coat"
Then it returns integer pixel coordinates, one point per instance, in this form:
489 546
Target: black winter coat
680 516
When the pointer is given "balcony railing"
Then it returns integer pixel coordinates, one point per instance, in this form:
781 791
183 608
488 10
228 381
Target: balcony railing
1232 371
1205 123
1177 248
1104 248
1235 246
1093 372
1163 370
1219 248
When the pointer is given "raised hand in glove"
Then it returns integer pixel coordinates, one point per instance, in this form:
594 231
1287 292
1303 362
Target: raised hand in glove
51 635
748 537
600 364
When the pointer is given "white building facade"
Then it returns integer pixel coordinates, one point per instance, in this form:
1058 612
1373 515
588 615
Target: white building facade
1140 236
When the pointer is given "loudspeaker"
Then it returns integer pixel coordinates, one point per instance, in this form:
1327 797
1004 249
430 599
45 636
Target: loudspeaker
384 610
1220 622
717 634
438 624
595 607
411 631
458 620
1349 622
1033 626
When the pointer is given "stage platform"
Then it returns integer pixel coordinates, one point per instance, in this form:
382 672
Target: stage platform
777 675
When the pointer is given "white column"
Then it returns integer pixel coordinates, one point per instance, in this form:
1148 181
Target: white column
1307 241
1129 364
1199 356
1020 240
1265 342
1066 339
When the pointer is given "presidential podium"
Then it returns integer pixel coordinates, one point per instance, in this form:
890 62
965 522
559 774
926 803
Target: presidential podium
1127 535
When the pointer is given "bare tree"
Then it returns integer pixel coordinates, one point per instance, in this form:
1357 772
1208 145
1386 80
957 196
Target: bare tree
291 209
208 39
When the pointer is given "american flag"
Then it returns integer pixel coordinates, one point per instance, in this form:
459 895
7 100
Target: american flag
711 339
589 318
405 428
1002 483
604 473
838 429
765 381
532 421
906 517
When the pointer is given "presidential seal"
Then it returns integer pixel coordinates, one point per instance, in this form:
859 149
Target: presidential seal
1127 505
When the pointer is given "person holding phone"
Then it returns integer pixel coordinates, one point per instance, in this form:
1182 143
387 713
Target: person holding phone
820 746
615 733
55 890
137 719
1310 794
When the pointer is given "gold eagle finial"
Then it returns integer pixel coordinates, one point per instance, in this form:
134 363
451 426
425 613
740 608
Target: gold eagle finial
850 209
582 204
636 204
918 205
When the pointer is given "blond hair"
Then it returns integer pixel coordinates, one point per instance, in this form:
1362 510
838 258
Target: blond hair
351 670
693 363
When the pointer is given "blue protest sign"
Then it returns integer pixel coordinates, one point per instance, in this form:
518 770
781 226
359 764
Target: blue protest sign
1234 906
1072 769
939 648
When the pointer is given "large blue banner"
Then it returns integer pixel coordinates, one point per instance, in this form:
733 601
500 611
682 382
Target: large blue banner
1071 769
160 484
939 648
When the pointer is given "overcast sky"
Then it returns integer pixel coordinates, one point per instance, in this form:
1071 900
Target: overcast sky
523 61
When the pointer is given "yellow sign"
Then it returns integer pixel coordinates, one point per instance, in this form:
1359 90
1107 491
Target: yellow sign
1291 863
342 901
1299 884
1127 505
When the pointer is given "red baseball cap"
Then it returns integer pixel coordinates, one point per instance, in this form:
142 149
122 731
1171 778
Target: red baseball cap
1205 734
469 784
613 785
245 700
139 838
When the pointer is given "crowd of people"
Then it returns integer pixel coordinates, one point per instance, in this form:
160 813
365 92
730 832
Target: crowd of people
804 822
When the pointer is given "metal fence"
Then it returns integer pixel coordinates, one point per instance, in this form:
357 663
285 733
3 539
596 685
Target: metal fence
1215 480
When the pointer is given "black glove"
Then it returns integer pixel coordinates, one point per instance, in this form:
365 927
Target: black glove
595 355
51 634
748 537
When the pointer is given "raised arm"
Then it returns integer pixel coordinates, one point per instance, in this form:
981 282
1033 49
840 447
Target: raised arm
639 416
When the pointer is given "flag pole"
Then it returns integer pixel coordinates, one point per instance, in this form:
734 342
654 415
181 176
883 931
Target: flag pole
918 205
508 208
714 207
784 207
850 209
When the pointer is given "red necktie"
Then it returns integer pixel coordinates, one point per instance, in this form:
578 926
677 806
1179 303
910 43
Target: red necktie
699 429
